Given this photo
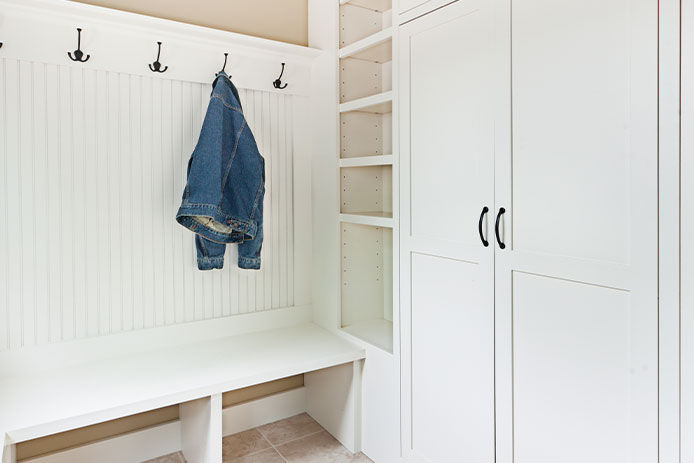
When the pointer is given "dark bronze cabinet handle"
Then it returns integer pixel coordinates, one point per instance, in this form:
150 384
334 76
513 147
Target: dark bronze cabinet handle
496 228
479 226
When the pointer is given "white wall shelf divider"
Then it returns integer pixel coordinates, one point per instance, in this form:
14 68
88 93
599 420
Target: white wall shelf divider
379 104
356 49
374 219
367 161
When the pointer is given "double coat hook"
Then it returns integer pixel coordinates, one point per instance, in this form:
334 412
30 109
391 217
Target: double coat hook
224 67
78 53
156 66
278 82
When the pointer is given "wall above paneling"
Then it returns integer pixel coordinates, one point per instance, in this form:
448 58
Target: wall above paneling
282 20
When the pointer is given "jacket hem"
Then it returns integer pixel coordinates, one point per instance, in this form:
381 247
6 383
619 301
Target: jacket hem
249 263
241 230
210 263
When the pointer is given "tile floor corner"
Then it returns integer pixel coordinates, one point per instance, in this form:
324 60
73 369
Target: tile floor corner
298 439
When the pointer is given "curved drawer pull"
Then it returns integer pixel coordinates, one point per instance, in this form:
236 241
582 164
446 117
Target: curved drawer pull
479 226
496 228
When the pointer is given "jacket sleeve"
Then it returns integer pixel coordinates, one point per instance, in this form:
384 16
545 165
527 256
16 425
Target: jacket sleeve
210 253
249 250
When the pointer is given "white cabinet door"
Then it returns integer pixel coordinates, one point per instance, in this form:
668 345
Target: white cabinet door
447 163
576 286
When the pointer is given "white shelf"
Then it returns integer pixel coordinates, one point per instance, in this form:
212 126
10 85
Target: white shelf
374 219
367 161
377 332
381 103
377 47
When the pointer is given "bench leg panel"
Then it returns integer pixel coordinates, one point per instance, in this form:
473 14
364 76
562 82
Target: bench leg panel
201 429
9 454
334 400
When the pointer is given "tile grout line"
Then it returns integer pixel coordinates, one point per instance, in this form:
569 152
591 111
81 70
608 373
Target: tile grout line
287 442
295 439
272 446
256 452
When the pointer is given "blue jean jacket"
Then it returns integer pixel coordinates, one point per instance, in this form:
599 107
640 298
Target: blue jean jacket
223 198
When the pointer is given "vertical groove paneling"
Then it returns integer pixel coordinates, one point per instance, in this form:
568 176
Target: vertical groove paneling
91 200
124 201
4 239
136 193
41 225
289 199
14 301
65 209
26 189
52 187
92 168
78 218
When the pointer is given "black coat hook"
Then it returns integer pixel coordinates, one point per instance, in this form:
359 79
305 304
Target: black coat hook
78 53
156 66
278 82
225 63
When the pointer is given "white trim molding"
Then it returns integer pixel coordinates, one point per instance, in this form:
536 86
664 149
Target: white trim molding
45 30
686 233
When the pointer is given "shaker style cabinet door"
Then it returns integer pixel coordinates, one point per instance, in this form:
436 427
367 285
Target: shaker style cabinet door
576 285
447 179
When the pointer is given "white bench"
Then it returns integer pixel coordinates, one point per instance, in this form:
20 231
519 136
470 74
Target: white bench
192 375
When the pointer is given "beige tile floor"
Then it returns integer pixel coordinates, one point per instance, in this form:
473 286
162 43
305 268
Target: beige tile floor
298 439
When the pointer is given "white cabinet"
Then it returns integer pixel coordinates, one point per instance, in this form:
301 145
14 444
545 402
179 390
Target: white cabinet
545 347
447 171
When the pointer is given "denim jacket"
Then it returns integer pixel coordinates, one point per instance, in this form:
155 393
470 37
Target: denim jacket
223 198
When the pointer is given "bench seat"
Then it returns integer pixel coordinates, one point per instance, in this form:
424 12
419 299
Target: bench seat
100 391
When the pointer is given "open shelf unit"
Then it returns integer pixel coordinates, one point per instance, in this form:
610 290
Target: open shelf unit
366 158
367 283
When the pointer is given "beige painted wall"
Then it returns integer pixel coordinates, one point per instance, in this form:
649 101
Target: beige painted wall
283 20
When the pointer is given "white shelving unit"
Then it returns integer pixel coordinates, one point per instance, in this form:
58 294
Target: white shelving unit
366 159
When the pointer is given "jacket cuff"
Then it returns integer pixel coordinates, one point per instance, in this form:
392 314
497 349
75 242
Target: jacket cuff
210 263
249 263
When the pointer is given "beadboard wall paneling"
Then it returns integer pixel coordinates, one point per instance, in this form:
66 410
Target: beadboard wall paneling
92 167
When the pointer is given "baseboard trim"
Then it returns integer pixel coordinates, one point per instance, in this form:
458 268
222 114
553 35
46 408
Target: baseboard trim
134 447
153 442
254 413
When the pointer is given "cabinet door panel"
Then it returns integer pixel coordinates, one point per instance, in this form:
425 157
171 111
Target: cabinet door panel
573 132
451 133
573 371
447 277
452 361
576 287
